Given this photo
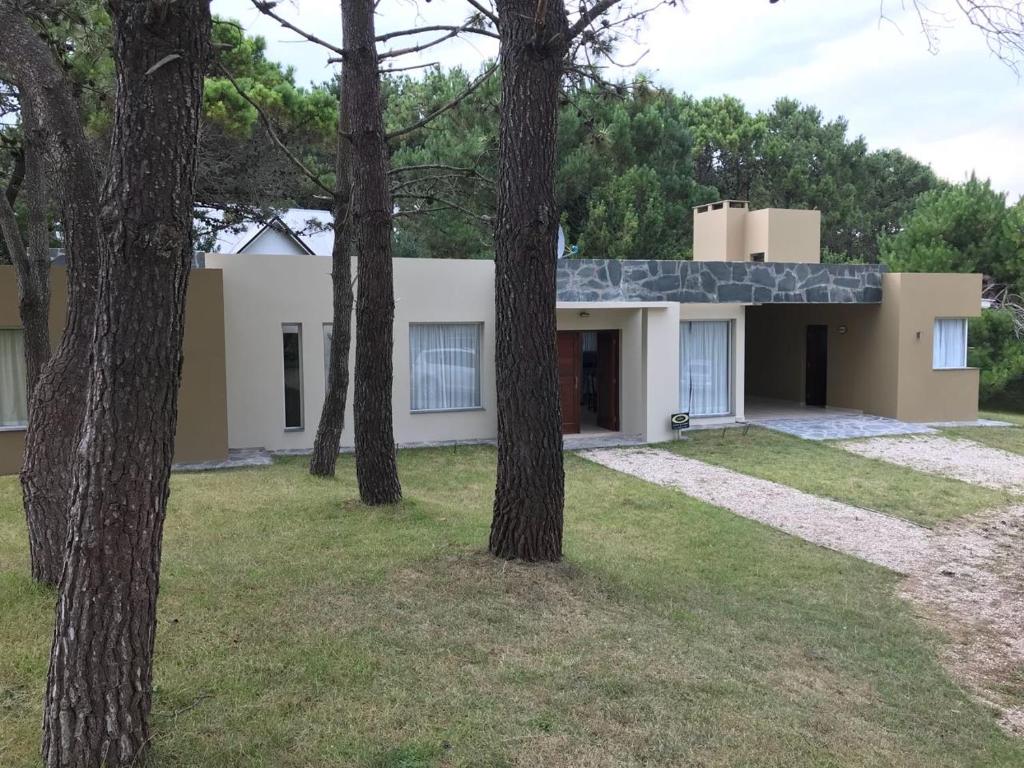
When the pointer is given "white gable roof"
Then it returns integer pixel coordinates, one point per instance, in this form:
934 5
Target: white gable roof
292 231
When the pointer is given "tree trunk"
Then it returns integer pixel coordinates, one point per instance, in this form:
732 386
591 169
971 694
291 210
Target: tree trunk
530 490
376 467
332 417
57 402
31 261
99 687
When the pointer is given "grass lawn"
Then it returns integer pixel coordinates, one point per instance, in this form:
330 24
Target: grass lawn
298 628
827 470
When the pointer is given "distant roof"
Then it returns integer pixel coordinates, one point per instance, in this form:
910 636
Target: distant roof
311 229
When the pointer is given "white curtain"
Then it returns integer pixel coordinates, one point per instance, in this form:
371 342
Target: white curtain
445 366
949 343
13 394
704 367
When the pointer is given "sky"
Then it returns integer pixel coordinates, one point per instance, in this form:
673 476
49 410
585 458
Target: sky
957 107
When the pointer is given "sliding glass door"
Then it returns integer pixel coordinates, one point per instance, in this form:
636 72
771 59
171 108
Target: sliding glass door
704 375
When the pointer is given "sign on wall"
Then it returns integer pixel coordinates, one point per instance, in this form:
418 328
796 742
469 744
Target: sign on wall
680 420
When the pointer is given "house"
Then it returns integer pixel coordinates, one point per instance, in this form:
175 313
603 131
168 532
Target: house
754 321
290 232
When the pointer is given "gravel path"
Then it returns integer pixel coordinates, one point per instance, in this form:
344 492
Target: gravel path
971 584
872 536
962 459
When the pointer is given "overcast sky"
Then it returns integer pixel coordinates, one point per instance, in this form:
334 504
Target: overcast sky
959 109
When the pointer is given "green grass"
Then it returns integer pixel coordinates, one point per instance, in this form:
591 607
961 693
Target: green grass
298 628
827 470
1005 438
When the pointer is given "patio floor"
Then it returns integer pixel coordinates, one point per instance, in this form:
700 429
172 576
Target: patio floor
813 423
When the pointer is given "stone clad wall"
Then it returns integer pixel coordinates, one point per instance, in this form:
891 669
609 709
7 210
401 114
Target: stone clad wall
710 282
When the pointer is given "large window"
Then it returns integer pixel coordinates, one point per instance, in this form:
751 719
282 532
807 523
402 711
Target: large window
704 367
291 334
445 362
13 394
949 343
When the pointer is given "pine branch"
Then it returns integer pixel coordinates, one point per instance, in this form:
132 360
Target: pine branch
266 7
265 119
473 86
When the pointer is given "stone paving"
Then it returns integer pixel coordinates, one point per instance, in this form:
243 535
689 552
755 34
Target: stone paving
844 427
237 458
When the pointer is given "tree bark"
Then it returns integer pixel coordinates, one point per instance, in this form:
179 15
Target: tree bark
530 490
99 686
376 467
332 417
31 260
57 402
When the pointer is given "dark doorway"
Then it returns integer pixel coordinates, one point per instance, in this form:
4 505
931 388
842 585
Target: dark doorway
588 380
608 380
816 388
570 363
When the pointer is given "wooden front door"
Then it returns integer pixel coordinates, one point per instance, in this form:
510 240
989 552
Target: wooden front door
816 383
608 380
570 365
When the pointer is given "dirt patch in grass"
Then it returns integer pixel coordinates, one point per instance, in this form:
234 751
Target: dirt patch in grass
972 585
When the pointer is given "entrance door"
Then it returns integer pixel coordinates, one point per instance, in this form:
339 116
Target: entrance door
608 380
816 386
570 363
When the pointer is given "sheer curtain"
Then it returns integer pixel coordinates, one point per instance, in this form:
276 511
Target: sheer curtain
445 366
949 343
13 395
704 364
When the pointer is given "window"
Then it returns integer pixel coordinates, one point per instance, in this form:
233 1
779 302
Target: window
328 338
291 334
445 362
949 343
704 367
13 379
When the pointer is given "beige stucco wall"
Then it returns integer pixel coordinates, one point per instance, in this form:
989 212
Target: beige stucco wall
263 292
202 409
926 394
882 364
719 234
784 235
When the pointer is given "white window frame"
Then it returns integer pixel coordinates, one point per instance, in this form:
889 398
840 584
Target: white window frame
730 361
935 328
479 368
293 328
20 426
328 333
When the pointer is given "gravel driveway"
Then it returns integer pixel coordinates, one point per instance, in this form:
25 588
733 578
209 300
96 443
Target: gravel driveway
962 459
881 539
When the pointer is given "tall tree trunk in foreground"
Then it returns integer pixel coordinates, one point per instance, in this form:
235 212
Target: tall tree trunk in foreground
99 687
530 490
332 417
57 402
376 468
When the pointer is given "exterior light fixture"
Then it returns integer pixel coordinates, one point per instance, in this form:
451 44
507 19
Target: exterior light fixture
842 330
